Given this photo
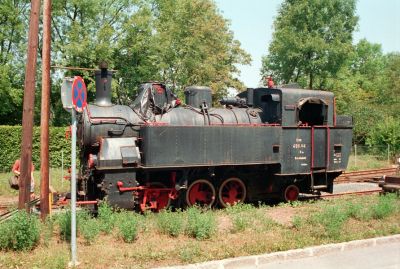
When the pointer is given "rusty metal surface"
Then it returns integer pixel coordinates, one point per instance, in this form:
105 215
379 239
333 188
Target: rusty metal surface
391 184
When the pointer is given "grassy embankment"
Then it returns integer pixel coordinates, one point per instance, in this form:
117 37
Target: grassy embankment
129 240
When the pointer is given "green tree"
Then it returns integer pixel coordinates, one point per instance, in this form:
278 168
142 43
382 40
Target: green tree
390 93
195 46
311 41
357 86
384 133
135 56
13 14
84 33
180 42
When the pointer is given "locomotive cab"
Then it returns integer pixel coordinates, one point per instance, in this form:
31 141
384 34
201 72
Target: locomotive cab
292 107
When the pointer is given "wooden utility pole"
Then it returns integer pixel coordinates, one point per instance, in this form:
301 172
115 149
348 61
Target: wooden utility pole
28 107
45 111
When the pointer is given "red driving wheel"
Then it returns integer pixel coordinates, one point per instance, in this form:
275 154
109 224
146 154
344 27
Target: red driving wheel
200 192
291 193
232 191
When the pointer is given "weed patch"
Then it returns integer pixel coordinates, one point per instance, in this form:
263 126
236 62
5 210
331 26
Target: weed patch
241 216
170 223
90 229
106 217
189 253
47 230
201 223
332 219
128 226
21 232
385 207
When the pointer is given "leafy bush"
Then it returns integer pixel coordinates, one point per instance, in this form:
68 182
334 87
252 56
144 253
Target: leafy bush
201 223
106 217
21 232
128 225
170 223
385 133
90 229
385 207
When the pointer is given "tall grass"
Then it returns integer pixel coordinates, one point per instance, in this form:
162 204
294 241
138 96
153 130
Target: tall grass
106 217
20 233
201 223
171 223
128 226
241 216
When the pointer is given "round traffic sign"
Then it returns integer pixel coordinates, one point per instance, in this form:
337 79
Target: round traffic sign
79 95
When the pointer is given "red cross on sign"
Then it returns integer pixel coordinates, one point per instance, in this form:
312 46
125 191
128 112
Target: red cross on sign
79 94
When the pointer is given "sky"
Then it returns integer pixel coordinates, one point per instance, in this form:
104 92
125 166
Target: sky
251 21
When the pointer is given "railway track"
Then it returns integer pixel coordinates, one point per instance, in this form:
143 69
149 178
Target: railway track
364 175
335 195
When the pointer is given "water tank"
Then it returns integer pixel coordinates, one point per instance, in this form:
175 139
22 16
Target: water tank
197 95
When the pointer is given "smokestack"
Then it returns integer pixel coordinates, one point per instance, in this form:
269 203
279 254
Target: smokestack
103 85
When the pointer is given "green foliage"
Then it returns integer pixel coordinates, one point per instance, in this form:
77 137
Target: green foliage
384 133
19 233
332 219
358 211
47 230
297 222
241 216
90 229
128 225
311 41
10 148
143 40
13 39
189 252
106 217
201 223
202 52
171 223
361 88
64 224
385 207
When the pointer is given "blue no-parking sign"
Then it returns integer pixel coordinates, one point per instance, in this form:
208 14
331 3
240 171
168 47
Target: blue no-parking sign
79 94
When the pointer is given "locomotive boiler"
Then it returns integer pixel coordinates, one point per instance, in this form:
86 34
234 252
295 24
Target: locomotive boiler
264 143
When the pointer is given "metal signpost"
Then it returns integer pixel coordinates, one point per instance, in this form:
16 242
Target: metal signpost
73 95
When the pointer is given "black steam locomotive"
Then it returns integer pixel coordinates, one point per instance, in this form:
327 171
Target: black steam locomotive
264 143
